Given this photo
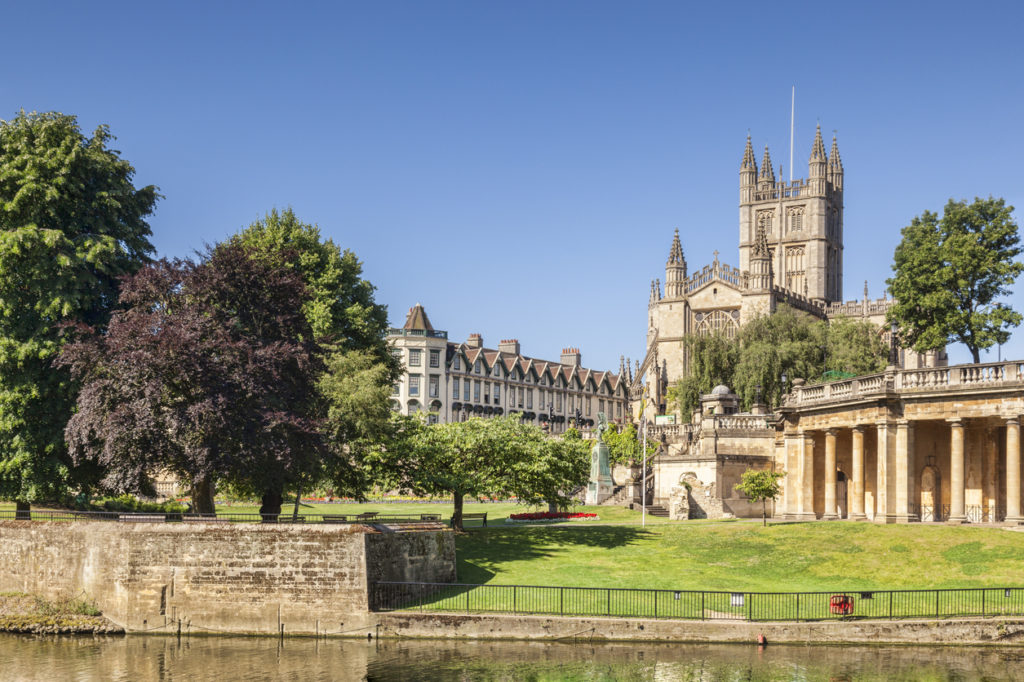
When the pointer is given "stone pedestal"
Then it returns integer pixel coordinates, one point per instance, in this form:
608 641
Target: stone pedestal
600 487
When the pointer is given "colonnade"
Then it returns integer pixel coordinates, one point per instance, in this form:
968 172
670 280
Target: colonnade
895 494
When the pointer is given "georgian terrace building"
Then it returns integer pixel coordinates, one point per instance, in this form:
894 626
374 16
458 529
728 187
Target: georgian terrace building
454 381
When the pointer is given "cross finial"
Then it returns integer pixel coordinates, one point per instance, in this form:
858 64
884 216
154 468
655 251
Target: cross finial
716 255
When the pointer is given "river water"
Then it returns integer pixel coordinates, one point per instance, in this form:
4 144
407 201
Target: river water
235 658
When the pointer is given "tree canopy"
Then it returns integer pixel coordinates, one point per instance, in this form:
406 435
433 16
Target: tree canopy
205 373
71 224
787 341
497 457
949 273
760 486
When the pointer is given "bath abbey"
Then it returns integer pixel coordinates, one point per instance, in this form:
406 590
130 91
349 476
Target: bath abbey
921 441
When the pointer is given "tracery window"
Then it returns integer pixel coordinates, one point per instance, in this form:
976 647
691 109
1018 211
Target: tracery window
725 322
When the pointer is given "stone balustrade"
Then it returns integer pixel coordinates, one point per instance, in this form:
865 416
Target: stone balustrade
872 386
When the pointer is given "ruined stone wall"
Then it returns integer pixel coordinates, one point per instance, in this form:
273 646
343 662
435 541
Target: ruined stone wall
218 576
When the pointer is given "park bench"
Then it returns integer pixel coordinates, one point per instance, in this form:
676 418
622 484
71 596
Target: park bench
142 518
366 516
335 518
204 518
430 517
482 516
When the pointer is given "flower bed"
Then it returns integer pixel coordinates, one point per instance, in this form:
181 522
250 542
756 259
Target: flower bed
541 517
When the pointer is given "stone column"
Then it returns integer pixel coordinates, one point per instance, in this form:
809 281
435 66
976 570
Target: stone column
885 485
956 471
830 476
857 513
1013 514
906 509
806 510
793 444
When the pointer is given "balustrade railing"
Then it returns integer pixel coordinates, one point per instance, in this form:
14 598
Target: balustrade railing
927 379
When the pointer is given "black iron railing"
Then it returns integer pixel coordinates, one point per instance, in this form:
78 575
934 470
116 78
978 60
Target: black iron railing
180 517
694 605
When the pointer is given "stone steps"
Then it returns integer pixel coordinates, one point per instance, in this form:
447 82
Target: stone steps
657 510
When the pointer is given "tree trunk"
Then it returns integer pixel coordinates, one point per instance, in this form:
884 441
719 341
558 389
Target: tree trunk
202 497
552 507
22 510
270 507
764 513
976 354
295 510
457 513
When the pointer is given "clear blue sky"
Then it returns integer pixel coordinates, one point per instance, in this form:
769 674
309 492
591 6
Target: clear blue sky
518 167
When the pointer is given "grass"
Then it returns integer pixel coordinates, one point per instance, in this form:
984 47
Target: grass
743 556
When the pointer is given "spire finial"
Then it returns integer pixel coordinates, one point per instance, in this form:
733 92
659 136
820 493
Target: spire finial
767 173
748 162
675 254
834 161
818 148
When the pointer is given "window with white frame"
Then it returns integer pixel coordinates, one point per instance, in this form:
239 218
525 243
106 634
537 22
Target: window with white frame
529 399
435 358
497 394
476 391
465 393
433 386
558 402
414 385
588 406
414 357
455 389
396 389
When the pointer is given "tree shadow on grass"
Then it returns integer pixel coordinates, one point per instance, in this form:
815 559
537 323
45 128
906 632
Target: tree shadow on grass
478 550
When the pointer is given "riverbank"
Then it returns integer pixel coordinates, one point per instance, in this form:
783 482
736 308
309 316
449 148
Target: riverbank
959 631
27 614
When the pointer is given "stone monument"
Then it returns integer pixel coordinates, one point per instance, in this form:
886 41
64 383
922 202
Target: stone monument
600 487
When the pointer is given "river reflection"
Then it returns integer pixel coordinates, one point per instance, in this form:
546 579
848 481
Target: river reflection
230 658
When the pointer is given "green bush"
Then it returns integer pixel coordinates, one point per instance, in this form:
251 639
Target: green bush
128 503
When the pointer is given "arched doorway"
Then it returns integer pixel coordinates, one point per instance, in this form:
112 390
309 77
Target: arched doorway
841 495
931 492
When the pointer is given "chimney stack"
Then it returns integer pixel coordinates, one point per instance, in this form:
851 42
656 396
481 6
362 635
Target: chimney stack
570 356
475 341
509 346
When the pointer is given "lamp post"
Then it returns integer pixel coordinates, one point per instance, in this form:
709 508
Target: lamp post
893 356
783 386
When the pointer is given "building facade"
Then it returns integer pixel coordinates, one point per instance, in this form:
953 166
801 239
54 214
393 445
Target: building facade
454 381
790 251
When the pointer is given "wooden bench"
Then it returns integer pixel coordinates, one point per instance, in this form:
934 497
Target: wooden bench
430 517
366 516
473 515
142 518
335 518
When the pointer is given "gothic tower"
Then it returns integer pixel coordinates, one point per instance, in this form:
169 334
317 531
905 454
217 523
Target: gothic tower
801 223
675 270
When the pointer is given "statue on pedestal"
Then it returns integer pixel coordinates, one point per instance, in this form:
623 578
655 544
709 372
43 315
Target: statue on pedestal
600 487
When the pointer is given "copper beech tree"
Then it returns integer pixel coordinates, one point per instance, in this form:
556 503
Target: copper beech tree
209 371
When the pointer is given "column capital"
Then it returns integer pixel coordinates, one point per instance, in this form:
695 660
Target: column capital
955 421
858 428
1012 421
903 423
832 431
884 422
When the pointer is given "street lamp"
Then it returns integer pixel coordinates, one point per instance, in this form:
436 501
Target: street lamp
893 357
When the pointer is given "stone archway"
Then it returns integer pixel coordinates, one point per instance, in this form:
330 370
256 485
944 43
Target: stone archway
931 493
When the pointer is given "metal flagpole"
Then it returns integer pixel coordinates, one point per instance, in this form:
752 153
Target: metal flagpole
643 477
792 118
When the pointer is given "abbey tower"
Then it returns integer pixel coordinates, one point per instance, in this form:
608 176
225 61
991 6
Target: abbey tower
790 251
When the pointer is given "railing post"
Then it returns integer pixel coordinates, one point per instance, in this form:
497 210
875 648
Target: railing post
513 599
609 590
467 601
702 606
890 605
983 601
798 606
561 601
936 603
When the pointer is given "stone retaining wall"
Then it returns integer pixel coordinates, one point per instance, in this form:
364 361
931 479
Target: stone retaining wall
1006 631
218 577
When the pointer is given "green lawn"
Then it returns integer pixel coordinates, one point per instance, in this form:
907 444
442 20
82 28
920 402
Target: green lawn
743 556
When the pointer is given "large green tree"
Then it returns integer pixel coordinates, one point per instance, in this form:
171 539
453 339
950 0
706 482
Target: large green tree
786 342
350 328
71 224
498 457
949 273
